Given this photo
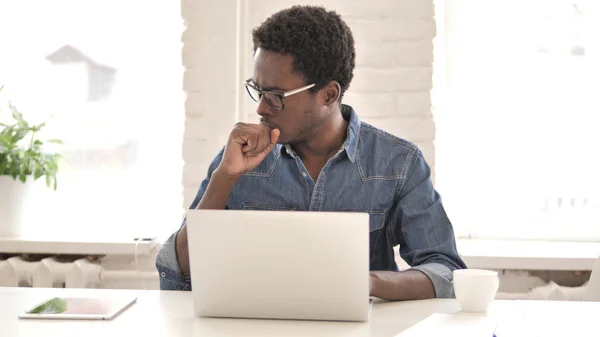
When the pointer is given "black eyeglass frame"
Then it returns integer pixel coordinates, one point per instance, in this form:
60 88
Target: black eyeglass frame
281 95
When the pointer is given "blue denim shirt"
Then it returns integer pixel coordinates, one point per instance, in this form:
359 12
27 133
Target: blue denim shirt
374 172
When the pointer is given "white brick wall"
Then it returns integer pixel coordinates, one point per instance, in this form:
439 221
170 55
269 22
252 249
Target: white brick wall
391 87
209 79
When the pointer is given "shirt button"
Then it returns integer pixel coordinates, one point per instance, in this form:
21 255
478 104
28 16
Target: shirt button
163 274
304 174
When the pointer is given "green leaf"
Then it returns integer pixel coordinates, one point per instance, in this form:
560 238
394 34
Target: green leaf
20 134
38 142
48 181
26 168
3 166
5 139
17 115
14 169
8 131
38 172
55 141
23 177
38 127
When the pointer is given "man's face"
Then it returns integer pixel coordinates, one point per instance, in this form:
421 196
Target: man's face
301 113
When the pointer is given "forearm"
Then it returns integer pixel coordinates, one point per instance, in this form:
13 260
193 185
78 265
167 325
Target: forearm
401 286
216 197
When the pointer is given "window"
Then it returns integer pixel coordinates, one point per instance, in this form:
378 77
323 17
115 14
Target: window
110 73
517 118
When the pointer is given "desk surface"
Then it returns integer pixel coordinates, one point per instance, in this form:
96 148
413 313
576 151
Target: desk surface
170 314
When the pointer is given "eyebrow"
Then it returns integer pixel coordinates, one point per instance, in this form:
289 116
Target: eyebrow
267 88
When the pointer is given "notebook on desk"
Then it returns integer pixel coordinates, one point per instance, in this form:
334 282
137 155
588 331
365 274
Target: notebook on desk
279 265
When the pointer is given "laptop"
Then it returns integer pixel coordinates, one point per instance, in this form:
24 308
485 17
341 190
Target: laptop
279 264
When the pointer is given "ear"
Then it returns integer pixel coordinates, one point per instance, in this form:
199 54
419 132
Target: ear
332 92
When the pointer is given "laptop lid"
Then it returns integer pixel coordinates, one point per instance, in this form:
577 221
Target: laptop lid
281 265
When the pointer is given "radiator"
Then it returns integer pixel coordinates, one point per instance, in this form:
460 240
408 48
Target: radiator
83 272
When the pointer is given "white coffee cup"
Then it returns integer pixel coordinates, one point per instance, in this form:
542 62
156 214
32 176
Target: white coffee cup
475 289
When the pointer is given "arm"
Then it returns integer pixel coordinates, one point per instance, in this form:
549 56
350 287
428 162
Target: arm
217 193
426 240
173 258
401 286
247 147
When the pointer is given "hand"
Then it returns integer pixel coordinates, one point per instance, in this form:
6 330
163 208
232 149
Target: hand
372 283
400 285
248 145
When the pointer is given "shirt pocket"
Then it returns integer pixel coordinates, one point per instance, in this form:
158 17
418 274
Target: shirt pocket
250 206
376 222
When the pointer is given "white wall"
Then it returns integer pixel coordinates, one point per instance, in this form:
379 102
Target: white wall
391 87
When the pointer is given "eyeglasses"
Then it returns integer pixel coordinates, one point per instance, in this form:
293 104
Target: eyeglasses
274 99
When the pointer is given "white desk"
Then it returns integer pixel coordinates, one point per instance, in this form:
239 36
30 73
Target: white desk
170 314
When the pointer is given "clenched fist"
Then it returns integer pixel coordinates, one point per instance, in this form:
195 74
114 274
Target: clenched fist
248 145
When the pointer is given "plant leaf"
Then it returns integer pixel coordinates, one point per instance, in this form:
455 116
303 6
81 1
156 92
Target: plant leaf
55 141
5 139
38 127
14 169
8 131
20 134
17 115
3 166
38 172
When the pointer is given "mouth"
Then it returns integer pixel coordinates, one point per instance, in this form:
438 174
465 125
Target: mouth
267 123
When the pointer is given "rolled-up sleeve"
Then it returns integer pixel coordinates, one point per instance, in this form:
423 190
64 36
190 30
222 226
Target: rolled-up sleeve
171 277
423 230
167 264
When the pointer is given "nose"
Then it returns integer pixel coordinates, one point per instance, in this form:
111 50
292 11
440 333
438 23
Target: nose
263 108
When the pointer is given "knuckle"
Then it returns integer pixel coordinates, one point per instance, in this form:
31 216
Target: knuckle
237 127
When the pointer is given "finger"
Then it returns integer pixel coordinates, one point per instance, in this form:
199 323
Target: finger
268 149
263 140
249 146
275 136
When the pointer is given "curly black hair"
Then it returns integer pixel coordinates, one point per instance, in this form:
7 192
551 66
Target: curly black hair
320 42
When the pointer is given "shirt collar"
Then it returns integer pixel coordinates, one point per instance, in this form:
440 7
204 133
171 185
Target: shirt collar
351 143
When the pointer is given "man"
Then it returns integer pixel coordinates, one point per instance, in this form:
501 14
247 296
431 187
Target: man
312 153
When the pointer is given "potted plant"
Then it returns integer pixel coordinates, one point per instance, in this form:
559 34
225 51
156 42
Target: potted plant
23 160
